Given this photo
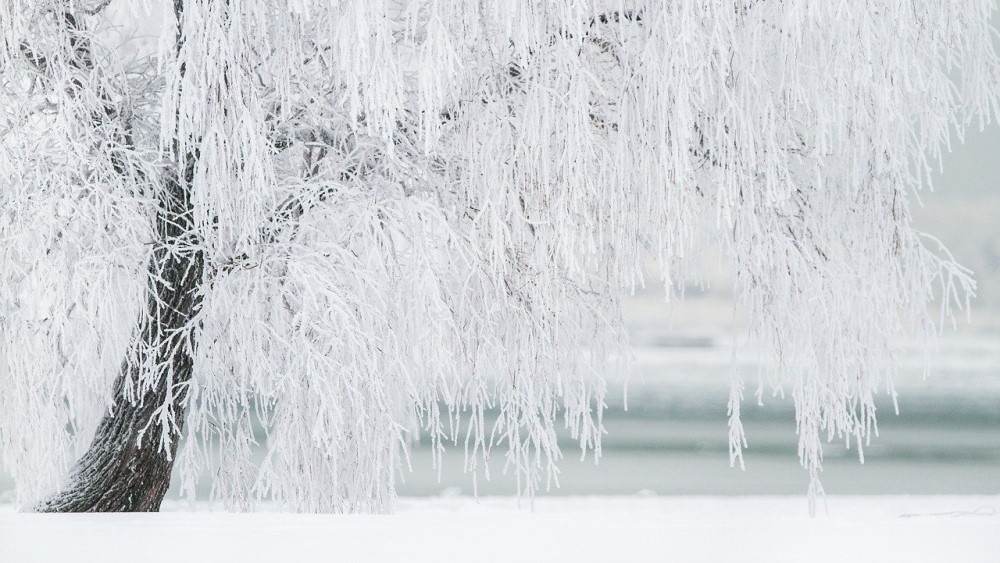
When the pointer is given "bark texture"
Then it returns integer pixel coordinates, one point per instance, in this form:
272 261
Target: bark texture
127 467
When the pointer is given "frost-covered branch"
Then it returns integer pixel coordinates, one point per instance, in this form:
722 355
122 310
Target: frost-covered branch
413 217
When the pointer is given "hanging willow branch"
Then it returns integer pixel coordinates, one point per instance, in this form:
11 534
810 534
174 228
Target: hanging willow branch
420 217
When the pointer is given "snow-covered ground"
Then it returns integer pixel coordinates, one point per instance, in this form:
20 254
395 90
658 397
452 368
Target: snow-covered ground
637 528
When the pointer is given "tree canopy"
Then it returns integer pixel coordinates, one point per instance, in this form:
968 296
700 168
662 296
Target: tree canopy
382 217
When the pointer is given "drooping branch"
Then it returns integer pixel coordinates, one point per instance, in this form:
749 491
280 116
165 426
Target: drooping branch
97 8
109 120
284 220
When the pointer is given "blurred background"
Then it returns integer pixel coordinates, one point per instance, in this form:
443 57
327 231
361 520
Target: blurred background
673 439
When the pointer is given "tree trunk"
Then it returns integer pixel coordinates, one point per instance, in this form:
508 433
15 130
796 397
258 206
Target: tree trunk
127 467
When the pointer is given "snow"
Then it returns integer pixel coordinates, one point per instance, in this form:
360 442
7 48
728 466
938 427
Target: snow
635 528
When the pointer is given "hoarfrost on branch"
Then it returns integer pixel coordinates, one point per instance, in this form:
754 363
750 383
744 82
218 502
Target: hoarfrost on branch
412 213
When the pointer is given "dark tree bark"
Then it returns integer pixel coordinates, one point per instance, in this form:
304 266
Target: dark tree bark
126 468
128 464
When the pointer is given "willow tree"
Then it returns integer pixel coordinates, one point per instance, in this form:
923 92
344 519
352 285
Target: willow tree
350 222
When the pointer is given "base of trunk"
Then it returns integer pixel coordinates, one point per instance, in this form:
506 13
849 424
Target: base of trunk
125 470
